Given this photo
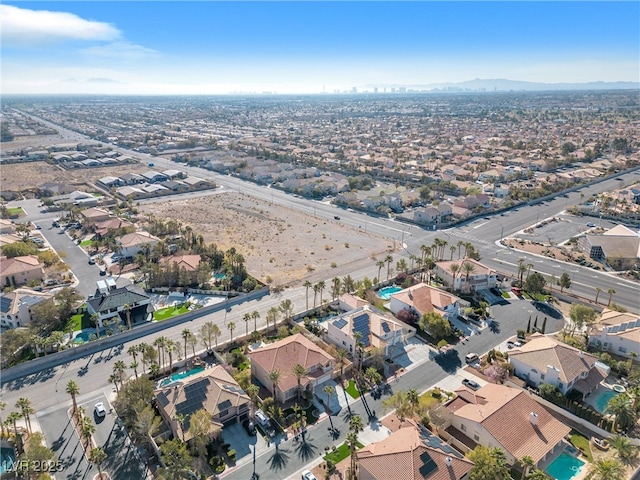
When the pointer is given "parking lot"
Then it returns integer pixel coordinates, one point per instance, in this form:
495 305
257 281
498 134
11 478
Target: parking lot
561 229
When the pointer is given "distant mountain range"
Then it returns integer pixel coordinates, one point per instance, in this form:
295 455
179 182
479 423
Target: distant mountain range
502 85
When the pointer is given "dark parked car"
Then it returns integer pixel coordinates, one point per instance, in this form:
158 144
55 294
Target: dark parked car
471 384
336 217
103 272
249 427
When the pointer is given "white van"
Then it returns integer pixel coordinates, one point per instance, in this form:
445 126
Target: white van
262 419
472 358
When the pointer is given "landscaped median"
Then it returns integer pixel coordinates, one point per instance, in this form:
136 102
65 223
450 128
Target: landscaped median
340 453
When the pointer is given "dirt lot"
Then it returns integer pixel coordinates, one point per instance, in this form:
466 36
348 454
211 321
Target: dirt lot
276 241
552 252
28 176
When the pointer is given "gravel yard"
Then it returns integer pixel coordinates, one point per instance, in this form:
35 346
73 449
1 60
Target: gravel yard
276 241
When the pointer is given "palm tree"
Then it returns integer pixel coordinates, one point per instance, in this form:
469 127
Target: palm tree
13 418
247 318
598 292
160 343
316 289
379 264
329 390
185 335
272 316
230 326
321 286
299 371
73 390
341 353
621 407
352 440
401 265
24 404
452 249
97 456
118 369
468 269
114 379
94 318
459 245
521 268
336 285
274 376
526 462
133 350
388 259
286 307
356 425
215 332
606 469
127 310
193 341
134 365
255 315
625 450
611 291
413 398
172 347
87 429
455 268
306 285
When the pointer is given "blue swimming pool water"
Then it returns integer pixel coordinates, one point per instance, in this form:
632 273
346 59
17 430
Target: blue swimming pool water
565 467
179 376
85 335
386 292
7 457
603 399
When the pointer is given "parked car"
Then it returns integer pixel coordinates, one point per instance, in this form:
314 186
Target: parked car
471 384
250 427
100 410
336 217
511 344
103 272
472 358
307 475
92 261
591 225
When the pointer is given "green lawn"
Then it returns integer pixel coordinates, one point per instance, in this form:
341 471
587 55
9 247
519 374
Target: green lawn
352 390
169 312
429 399
506 295
340 453
15 211
80 321
86 243
581 443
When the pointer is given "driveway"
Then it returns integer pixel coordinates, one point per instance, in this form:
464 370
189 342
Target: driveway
243 443
516 314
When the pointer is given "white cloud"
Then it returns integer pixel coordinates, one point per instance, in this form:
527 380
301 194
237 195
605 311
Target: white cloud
121 50
24 26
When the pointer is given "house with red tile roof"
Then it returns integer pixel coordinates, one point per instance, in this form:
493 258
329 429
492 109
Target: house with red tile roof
480 278
422 298
502 417
115 223
544 359
412 453
131 243
282 356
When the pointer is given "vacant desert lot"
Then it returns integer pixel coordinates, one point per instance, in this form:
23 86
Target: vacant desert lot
29 176
276 241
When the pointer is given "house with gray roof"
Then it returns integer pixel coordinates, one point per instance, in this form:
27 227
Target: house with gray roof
113 303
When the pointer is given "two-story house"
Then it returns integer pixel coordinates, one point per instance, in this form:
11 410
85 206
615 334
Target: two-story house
20 270
507 418
212 389
376 329
616 332
546 360
480 277
131 243
282 356
15 306
422 298
124 304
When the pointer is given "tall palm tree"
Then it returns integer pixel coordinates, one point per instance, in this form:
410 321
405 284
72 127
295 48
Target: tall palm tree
255 315
413 398
356 425
455 268
231 327
97 456
625 450
527 463
611 291
306 286
459 245
379 264
388 259
134 365
299 371
321 286
73 390
452 249
215 332
316 289
24 404
606 469
341 353
286 307
352 441
193 341
336 285
272 316
622 408
468 268
274 377
12 419
247 318
329 390
598 292
160 343
127 309
133 350
118 369
87 429
95 317
185 335
3 405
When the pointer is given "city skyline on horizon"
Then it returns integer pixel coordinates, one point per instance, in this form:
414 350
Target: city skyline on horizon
159 48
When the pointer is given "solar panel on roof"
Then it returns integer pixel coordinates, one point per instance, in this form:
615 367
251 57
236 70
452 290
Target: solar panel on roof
340 323
614 329
428 464
5 304
361 324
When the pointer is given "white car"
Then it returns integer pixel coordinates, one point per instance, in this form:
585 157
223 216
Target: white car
100 410
307 475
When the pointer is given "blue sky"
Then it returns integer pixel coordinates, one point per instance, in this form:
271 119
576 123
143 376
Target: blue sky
221 47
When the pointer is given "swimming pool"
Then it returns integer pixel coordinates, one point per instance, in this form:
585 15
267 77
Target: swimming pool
565 467
386 292
179 376
603 399
85 335
7 457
